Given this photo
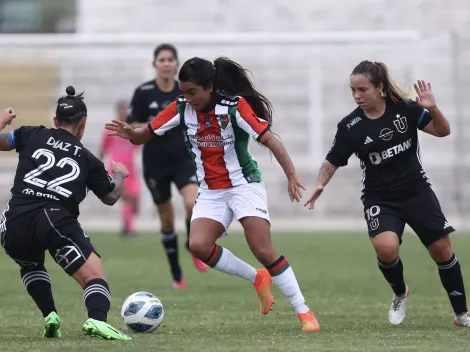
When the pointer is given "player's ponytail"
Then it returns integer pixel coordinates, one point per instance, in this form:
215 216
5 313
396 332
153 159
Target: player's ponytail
70 108
232 79
228 78
379 73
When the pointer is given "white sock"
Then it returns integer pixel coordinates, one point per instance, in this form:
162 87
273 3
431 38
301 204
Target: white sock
289 286
224 260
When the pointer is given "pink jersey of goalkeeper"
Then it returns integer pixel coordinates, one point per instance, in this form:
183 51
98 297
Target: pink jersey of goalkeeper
121 150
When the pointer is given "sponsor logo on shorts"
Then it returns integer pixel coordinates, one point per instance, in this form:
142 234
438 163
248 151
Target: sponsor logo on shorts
66 256
374 224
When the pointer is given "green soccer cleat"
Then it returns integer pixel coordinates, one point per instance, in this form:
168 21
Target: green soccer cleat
96 328
52 328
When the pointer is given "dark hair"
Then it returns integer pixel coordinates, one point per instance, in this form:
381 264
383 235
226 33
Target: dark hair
70 108
378 73
228 78
163 47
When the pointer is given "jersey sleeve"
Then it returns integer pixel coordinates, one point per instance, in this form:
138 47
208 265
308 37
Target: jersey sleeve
20 137
419 114
99 181
165 120
137 111
342 148
249 122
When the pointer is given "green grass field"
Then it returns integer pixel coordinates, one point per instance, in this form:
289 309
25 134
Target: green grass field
337 272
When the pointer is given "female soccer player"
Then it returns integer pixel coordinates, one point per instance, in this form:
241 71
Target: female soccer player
382 132
123 151
166 160
219 112
53 174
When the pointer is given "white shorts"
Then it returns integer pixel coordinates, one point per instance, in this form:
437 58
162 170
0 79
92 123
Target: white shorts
222 205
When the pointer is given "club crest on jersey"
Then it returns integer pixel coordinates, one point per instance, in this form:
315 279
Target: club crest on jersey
223 121
401 124
207 121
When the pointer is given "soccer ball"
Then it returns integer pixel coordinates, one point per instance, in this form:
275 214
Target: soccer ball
142 312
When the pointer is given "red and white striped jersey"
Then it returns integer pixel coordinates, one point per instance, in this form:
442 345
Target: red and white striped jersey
217 140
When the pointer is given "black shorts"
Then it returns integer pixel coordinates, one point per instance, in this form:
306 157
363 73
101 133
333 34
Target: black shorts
421 211
159 179
54 229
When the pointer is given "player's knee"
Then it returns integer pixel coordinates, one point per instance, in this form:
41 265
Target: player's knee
387 246
441 250
90 270
199 247
387 254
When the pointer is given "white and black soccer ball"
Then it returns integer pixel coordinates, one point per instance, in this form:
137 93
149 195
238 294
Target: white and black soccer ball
142 312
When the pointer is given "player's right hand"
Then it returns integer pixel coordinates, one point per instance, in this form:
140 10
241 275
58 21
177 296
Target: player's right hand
120 129
316 193
7 117
119 168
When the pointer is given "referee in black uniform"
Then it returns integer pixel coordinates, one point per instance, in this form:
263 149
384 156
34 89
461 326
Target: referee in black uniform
383 133
166 159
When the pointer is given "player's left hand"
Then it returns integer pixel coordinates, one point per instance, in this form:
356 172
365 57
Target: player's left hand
7 117
425 97
294 187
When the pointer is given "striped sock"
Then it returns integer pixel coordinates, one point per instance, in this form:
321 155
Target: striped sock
38 285
393 273
97 299
283 276
223 260
451 278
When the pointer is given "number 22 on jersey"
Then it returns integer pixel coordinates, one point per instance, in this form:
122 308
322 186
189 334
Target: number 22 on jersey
54 185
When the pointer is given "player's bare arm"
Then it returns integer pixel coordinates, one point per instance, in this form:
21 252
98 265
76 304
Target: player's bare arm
140 135
6 118
281 155
327 170
120 173
5 144
439 125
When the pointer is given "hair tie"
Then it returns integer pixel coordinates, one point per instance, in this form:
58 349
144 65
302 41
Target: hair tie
213 64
